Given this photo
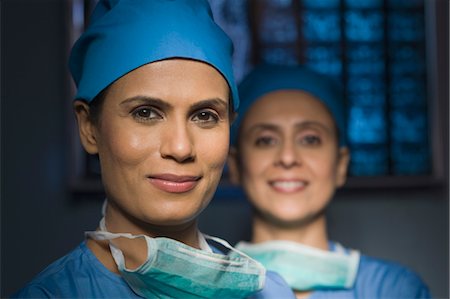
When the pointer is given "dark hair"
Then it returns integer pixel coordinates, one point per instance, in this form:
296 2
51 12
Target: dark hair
96 105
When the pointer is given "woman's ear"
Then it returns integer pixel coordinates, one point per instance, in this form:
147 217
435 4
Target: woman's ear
86 128
233 166
342 166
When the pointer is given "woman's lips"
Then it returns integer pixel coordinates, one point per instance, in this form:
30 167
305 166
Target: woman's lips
174 183
288 186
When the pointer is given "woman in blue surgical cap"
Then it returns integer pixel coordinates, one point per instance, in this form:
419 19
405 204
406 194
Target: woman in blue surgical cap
288 153
155 100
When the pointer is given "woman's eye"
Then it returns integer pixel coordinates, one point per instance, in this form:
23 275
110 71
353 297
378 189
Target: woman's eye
145 113
310 140
205 117
265 141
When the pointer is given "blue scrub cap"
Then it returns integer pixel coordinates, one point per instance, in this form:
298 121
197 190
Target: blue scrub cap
267 78
126 34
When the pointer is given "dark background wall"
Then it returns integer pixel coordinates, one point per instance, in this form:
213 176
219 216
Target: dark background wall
42 220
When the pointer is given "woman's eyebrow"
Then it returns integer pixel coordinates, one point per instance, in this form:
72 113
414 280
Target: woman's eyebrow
312 124
300 125
215 102
263 126
146 100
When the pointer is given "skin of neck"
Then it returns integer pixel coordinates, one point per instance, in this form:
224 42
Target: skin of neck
135 250
311 233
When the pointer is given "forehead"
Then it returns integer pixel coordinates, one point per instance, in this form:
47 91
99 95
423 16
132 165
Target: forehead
172 78
287 107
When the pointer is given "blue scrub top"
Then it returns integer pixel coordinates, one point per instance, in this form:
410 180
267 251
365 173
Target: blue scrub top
80 274
377 278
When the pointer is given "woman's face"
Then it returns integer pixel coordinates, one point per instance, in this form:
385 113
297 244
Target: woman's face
288 161
162 139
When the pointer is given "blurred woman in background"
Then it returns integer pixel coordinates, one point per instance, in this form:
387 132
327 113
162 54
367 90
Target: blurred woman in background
289 155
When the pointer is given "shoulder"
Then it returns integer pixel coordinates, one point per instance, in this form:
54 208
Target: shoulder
48 283
275 287
389 279
77 274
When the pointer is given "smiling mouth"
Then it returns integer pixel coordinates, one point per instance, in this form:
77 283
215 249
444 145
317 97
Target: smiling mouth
288 186
174 183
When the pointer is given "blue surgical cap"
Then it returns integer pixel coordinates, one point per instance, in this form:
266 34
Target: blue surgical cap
267 78
126 34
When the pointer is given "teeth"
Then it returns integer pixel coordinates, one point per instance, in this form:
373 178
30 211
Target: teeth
289 185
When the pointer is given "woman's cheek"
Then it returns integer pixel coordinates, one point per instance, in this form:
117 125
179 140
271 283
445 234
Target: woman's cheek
217 146
131 146
321 163
260 160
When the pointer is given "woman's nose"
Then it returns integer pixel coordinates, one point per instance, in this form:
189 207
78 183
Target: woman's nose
288 155
177 143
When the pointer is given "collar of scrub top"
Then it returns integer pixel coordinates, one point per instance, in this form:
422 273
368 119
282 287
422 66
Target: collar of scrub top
126 34
266 78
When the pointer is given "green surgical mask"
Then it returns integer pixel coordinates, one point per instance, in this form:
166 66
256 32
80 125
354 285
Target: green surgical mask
176 270
306 268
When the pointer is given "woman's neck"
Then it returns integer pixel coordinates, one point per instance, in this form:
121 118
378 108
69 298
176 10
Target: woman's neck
117 221
312 233
135 250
